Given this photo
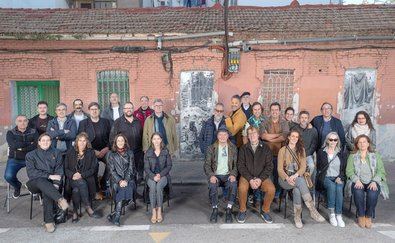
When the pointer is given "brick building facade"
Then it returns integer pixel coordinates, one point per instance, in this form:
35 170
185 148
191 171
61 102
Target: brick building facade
301 56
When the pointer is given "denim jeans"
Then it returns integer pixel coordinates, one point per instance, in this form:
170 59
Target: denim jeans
11 170
365 200
334 194
231 188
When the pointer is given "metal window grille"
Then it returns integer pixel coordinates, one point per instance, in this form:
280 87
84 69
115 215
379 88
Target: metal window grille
112 81
278 87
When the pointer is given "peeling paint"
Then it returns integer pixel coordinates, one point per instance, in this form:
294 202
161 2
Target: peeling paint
386 141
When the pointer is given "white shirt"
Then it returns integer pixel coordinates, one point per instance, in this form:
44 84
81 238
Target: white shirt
115 112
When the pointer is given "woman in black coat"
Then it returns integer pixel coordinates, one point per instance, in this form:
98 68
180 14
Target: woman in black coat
157 165
123 175
80 167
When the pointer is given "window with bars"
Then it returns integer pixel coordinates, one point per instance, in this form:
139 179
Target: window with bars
28 93
112 81
277 86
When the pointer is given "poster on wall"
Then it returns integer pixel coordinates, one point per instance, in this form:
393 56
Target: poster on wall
196 105
359 87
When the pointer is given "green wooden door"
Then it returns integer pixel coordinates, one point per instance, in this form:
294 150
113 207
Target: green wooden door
31 92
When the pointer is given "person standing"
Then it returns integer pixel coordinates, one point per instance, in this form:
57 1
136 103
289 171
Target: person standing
236 120
362 124
208 133
78 113
246 106
114 111
143 111
40 121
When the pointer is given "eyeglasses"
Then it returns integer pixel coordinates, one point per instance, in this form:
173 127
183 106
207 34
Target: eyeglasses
219 111
333 139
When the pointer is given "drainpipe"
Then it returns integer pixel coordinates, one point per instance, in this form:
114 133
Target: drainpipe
311 40
198 35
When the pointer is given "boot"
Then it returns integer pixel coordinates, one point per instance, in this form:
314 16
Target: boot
298 216
62 203
313 211
361 222
214 216
368 222
117 215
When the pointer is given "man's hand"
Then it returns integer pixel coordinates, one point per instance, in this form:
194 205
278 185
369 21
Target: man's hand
55 177
232 178
157 177
213 179
339 180
77 176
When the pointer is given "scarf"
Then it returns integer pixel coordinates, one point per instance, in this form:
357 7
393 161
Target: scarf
253 121
121 150
357 130
160 127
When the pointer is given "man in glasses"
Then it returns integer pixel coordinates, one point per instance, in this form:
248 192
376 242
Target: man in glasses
221 170
163 123
327 123
131 128
208 133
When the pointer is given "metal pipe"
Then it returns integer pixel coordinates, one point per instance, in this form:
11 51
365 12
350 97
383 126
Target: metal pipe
312 40
198 35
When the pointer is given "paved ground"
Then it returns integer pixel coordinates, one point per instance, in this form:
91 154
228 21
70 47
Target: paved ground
187 220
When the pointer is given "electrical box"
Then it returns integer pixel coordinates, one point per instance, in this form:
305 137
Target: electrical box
234 60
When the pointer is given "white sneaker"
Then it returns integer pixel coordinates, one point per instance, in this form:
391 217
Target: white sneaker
340 221
332 219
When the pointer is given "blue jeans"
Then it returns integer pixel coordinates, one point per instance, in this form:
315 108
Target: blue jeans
365 200
334 194
231 188
11 170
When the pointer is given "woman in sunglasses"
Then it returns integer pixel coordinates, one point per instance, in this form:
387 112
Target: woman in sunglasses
331 166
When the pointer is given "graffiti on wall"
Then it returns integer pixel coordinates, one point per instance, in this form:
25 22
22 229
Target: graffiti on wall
196 105
359 86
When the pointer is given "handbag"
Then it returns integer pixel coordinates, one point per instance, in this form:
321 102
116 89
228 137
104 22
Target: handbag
306 175
321 175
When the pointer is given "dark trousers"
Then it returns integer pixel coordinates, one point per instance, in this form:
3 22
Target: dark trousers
50 195
365 200
139 162
275 177
80 193
11 170
231 187
124 193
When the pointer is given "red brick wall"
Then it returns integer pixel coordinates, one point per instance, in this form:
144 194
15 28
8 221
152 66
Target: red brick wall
319 76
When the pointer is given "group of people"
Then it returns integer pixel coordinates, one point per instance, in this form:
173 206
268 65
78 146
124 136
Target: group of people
258 159
62 155
252 157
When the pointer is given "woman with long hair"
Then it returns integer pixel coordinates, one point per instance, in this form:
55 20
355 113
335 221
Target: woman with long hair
157 165
291 167
362 124
123 175
331 177
80 167
366 172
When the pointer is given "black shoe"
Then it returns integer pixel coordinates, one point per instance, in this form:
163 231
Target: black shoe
75 219
95 215
117 219
17 193
110 217
214 216
228 216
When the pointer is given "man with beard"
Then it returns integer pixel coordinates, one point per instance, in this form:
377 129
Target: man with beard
40 121
98 130
131 128
208 133
236 121
274 131
78 114
143 111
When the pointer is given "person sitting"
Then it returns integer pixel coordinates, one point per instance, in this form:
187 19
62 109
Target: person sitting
291 167
80 167
366 172
157 165
331 166
21 140
220 168
123 175
362 124
255 167
45 170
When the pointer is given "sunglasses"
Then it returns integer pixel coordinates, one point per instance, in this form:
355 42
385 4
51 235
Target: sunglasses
219 110
333 139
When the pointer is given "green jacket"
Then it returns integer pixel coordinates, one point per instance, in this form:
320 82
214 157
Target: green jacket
211 161
171 134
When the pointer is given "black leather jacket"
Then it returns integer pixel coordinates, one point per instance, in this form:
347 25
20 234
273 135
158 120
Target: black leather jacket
122 167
